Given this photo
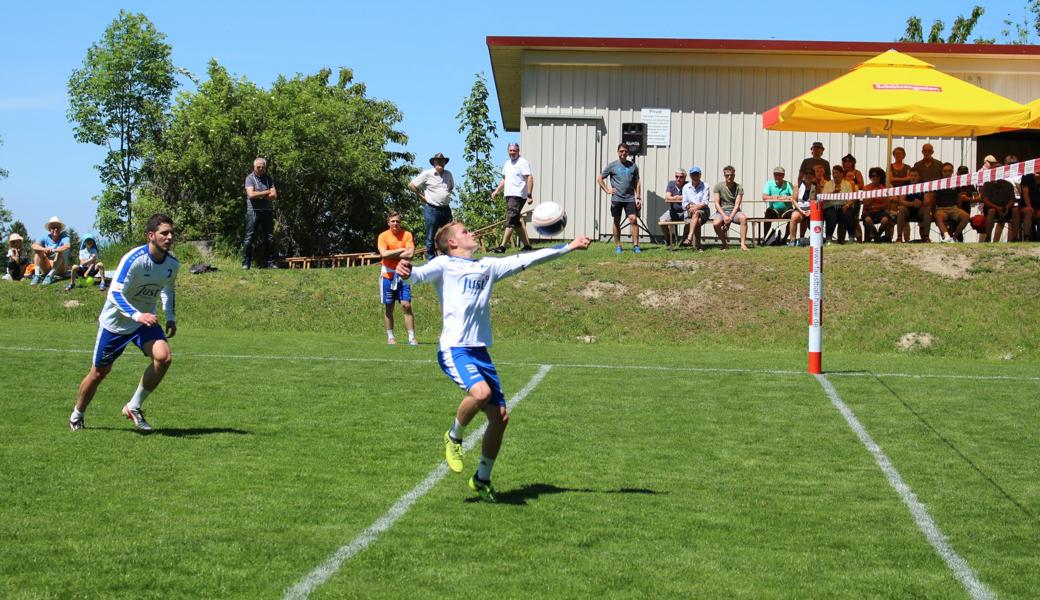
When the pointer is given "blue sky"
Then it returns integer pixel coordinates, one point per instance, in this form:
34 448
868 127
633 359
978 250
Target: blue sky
421 56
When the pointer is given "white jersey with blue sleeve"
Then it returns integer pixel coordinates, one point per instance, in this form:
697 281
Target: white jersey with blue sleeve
464 287
138 283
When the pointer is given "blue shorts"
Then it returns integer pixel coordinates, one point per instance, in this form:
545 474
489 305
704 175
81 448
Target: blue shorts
110 345
469 366
393 289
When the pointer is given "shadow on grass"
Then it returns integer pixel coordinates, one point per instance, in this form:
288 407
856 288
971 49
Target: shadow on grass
187 432
533 491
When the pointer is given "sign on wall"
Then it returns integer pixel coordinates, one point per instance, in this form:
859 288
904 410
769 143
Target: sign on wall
658 126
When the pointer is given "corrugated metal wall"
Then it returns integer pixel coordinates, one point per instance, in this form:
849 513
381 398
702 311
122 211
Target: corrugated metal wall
716 120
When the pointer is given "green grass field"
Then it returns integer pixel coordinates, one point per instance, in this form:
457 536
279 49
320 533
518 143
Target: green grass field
629 471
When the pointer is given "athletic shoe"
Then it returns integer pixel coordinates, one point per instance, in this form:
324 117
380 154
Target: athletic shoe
35 280
245 267
76 424
102 286
69 287
636 249
48 280
498 249
135 415
618 250
413 342
527 248
947 240
391 341
452 453
484 489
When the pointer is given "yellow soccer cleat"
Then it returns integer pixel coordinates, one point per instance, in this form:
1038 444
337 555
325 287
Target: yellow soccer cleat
452 453
484 489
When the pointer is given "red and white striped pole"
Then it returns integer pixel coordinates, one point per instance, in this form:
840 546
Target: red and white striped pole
815 288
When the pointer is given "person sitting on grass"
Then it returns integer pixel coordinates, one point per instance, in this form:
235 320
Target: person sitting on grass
51 253
16 258
912 208
877 219
89 265
464 287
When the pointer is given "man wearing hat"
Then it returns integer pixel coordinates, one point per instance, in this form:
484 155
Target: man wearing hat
778 187
696 201
434 187
89 266
16 258
816 159
51 253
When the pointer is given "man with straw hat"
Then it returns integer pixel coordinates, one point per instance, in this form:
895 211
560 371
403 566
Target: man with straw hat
434 187
51 253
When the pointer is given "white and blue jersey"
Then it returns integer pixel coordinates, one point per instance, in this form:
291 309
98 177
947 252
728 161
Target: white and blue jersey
138 284
464 288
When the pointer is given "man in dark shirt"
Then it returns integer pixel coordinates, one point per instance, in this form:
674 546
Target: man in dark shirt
929 167
816 159
260 194
1030 204
948 210
998 203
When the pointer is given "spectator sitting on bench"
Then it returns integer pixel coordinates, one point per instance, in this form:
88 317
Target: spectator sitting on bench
696 199
88 266
948 210
1030 204
912 208
802 205
877 219
834 210
727 197
778 209
848 162
673 196
998 204
850 210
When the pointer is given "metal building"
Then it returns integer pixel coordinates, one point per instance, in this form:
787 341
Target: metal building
568 98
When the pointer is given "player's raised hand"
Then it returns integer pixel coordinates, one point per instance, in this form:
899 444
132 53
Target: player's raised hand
580 243
404 268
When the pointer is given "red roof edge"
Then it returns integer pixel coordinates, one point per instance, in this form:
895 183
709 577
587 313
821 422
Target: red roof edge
755 45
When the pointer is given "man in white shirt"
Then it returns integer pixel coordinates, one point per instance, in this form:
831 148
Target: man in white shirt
696 198
144 275
434 187
464 288
517 182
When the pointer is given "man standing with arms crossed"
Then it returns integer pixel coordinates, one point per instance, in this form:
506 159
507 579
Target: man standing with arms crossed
434 187
625 194
518 183
260 195
144 274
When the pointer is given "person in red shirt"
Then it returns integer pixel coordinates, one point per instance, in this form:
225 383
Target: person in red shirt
394 244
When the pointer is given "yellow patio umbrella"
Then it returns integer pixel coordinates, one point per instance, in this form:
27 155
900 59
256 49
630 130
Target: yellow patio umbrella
897 94
1034 114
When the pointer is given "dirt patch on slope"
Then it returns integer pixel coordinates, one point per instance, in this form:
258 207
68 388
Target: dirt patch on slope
598 289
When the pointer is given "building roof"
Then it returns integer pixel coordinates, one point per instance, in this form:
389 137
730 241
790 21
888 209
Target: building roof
507 54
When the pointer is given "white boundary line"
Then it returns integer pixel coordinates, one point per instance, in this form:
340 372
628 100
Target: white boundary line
327 569
960 567
345 359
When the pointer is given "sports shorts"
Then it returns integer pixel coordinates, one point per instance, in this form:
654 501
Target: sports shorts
468 366
704 213
629 208
514 206
393 289
109 346
949 213
731 213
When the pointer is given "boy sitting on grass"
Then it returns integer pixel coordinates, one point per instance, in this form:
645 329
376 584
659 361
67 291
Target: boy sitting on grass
464 287
89 265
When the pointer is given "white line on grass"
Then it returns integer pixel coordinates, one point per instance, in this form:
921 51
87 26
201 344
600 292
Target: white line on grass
960 567
348 359
323 572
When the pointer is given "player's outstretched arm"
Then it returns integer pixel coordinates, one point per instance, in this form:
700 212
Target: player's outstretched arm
504 267
427 273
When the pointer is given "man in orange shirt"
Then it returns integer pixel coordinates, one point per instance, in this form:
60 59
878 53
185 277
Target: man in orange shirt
394 244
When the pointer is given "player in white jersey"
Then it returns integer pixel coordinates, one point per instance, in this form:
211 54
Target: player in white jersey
144 275
464 287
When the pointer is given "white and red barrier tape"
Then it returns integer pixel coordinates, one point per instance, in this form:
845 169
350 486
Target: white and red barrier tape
977 179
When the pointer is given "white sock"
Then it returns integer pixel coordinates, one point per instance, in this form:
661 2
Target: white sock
484 468
411 335
456 431
389 334
76 415
139 397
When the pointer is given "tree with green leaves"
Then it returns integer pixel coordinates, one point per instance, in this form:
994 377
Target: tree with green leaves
5 215
477 209
1022 32
960 32
326 144
119 99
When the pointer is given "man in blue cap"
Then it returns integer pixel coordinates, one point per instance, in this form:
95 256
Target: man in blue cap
696 197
